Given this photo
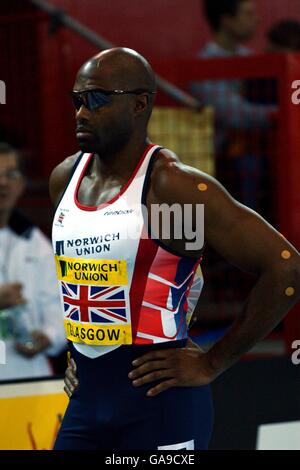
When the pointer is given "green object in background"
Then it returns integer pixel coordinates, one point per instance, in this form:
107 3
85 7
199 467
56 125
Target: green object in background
8 323
4 327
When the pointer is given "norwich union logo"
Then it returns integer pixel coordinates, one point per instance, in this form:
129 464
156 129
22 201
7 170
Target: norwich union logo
60 248
87 271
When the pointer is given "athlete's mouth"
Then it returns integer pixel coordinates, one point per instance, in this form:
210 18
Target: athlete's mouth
82 133
82 129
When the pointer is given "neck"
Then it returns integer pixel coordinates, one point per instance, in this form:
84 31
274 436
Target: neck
123 163
226 41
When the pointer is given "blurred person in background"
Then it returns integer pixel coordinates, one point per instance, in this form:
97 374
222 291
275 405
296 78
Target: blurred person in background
284 36
232 22
243 128
30 318
239 166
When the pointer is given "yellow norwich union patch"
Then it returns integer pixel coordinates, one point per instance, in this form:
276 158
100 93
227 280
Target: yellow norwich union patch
90 271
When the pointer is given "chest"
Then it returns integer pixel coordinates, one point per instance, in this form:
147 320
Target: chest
123 216
93 191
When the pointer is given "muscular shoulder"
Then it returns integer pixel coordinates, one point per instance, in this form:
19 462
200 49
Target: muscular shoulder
60 177
174 182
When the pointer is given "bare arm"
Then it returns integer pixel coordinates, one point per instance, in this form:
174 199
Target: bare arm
249 242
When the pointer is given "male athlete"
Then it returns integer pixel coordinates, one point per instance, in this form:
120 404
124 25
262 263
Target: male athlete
126 287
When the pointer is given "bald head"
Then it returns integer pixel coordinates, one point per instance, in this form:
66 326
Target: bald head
113 119
119 68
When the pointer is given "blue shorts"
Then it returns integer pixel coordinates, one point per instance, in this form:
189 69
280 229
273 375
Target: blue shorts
108 412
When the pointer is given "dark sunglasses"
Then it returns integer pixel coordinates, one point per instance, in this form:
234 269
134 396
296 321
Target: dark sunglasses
97 97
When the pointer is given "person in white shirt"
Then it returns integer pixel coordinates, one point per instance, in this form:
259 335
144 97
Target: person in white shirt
31 328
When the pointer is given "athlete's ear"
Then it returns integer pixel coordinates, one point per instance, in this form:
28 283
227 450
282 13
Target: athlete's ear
141 103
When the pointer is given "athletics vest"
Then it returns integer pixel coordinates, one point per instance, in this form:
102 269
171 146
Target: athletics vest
119 286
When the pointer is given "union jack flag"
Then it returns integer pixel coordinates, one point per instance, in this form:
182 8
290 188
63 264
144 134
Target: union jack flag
94 304
61 217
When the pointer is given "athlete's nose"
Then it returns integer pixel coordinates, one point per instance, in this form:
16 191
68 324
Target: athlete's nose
82 113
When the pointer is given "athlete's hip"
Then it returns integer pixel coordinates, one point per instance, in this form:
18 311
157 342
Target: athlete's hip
109 372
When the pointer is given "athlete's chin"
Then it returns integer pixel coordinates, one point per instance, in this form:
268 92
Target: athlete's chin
86 145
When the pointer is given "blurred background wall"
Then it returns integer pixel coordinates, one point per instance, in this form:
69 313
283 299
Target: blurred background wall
142 25
45 65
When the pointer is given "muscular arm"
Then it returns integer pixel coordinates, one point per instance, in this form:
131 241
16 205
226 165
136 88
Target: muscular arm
246 240
253 245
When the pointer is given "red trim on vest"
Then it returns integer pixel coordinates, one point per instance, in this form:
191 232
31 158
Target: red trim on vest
144 258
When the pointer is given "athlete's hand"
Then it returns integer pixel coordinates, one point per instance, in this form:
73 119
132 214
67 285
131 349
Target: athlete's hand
176 367
70 379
